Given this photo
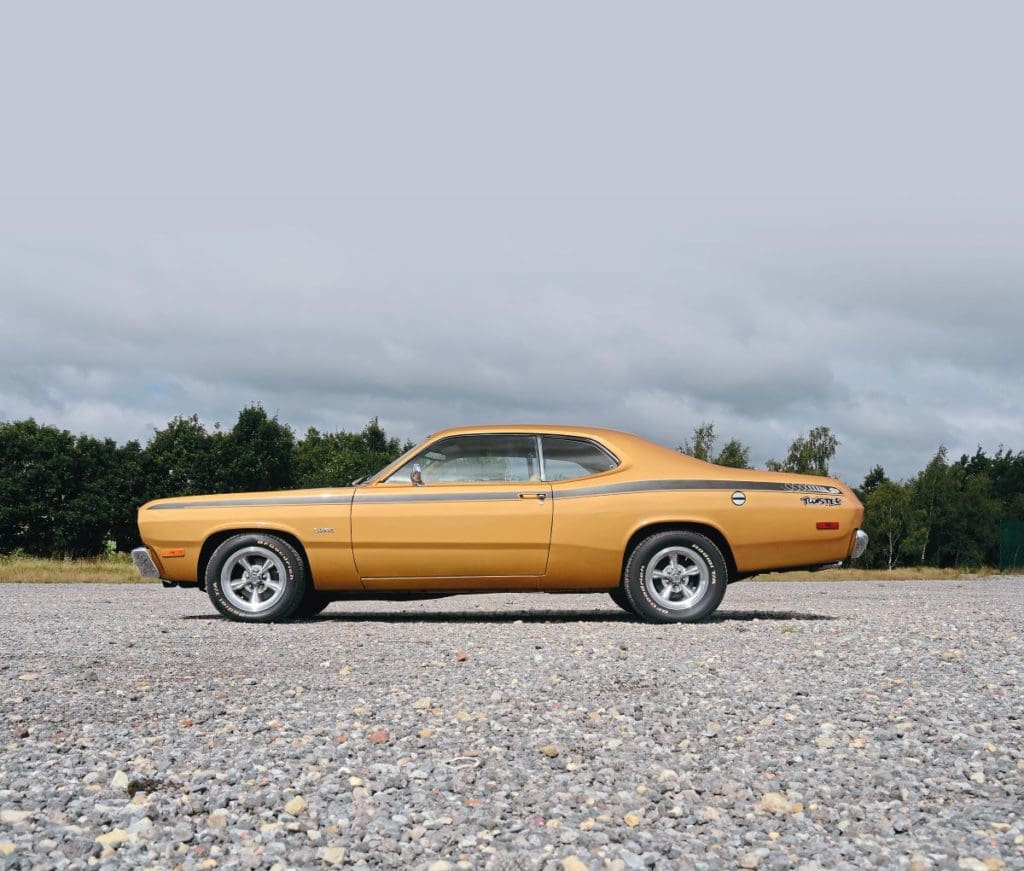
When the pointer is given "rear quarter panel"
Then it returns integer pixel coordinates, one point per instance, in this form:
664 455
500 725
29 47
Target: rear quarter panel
771 529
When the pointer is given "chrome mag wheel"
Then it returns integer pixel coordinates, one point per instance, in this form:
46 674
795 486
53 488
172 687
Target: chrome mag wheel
677 577
253 579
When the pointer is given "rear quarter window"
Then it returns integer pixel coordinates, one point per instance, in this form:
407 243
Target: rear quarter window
566 458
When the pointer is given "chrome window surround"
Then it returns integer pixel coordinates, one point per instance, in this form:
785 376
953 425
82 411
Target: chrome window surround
616 462
408 456
397 466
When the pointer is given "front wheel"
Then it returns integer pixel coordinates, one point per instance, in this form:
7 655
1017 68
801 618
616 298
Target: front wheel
312 604
256 578
675 577
618 596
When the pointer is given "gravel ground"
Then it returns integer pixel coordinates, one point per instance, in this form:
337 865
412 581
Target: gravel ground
808 725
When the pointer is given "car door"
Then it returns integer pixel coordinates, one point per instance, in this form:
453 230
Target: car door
468 507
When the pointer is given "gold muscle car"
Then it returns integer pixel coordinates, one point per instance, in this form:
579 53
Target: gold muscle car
505 508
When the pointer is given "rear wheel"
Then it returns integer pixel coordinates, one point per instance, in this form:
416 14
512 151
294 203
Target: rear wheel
675 577
256 578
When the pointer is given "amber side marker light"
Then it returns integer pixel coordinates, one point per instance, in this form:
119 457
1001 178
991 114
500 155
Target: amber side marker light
828 524
172 552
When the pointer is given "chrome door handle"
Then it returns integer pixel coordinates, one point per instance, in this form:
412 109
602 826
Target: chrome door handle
540 496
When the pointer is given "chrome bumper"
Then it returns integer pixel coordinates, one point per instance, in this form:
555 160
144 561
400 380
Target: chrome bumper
860 544
144 563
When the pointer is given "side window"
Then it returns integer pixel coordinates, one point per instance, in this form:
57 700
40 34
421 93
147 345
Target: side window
474 459
566 458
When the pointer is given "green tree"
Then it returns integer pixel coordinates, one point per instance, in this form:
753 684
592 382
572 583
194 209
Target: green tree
810 454
967 523
90 499
311 459
38 465
886 521
329 459
59 495
872 480
702 444
336 459
257 453
183 459
378 448
930 493
129 483
1005 471
735 454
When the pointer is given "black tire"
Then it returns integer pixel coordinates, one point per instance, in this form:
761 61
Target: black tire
256 578
659 592
311 605
619 598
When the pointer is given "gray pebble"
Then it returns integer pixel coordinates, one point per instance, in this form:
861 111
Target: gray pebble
808 725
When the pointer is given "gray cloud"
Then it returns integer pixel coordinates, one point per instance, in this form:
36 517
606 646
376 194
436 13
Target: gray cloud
642 219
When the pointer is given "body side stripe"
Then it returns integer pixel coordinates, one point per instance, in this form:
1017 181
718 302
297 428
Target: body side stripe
501 495
695 484
258 502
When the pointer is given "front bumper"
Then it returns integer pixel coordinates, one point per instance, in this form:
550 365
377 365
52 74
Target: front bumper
144 563
860 544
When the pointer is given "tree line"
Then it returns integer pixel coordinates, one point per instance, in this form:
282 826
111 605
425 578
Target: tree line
77 495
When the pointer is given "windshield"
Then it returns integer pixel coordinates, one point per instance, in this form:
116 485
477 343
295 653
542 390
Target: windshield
472 458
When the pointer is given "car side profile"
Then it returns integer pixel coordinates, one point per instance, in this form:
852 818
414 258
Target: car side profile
499 509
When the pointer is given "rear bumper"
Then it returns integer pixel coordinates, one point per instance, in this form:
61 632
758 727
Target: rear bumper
860 544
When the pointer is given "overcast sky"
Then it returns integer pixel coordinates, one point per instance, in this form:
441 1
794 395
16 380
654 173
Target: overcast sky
770 216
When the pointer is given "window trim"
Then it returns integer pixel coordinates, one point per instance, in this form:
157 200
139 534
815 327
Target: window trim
543 468
413 454
385 474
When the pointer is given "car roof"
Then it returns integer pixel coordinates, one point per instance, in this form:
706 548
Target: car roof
541 428
625 445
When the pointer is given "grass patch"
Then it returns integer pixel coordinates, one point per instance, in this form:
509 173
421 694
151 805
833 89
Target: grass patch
916 573
114 569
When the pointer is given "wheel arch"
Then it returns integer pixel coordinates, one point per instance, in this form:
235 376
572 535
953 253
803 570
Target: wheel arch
705 529
216 539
